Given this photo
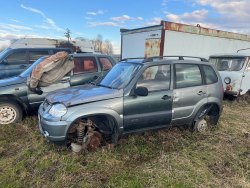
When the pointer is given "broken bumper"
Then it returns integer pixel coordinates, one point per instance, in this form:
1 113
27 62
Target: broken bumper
52 130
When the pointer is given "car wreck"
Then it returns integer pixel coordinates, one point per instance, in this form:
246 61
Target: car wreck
234 70
136 95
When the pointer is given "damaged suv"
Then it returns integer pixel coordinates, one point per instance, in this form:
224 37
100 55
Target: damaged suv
17 98
135 96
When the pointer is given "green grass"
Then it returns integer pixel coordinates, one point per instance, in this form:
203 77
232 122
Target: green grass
167 158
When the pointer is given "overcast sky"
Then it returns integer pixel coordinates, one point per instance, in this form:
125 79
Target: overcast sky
88 18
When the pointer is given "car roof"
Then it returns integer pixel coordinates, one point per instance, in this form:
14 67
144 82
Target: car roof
168 59
40 48
231 55
89 54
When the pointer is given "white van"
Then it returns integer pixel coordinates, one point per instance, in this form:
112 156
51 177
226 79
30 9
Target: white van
234 70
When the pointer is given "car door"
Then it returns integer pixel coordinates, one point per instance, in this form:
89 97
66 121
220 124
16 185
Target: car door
188 91
86 70
153 110
245 86
14 63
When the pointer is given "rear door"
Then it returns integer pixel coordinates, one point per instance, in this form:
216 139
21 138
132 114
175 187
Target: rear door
154 110
189 91
86 70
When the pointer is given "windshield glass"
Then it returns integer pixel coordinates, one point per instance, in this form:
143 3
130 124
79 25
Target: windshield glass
28 71
228 63
120 75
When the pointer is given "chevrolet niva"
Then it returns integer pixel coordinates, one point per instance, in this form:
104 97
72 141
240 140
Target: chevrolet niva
17 98
135 96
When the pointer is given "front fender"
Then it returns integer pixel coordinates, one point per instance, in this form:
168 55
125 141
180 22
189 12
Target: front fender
86 112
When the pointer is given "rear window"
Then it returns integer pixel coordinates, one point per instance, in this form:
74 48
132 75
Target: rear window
210 74
187 75
85 64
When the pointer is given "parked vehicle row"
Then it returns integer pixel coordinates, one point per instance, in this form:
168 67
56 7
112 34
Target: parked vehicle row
136 95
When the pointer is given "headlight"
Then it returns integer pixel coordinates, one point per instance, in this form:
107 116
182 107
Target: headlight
58 110
227 80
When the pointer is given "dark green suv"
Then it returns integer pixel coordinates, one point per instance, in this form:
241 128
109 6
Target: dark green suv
16 98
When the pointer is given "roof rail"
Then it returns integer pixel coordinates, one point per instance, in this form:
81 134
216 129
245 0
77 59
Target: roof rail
131 58
179 57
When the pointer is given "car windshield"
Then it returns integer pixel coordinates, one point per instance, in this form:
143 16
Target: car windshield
28 71
120 75
228 63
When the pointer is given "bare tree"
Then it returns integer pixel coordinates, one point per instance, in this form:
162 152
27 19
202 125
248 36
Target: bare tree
67 34
108 47
98 43
105 47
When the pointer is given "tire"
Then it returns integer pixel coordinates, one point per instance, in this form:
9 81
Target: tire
201 125
10 113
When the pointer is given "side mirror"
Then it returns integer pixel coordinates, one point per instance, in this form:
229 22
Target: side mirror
141 91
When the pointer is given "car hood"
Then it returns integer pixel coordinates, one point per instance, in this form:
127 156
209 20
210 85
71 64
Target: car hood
12 81
82 94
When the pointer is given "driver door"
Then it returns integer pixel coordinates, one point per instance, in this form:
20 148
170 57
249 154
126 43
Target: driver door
155 109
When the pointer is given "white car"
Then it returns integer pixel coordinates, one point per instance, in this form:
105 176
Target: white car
234 70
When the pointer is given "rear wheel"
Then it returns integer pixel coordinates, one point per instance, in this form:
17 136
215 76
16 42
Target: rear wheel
10 113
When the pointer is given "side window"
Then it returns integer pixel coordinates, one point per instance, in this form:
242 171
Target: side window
155 78
187 75
85 64
105 63
18 57
210 75
35 55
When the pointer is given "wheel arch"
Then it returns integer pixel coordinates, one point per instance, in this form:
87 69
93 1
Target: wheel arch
96 118
14 99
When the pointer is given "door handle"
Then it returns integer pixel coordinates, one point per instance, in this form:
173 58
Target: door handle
165 97
201 93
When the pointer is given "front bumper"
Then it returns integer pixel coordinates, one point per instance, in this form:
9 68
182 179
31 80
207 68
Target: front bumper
52 130
233 93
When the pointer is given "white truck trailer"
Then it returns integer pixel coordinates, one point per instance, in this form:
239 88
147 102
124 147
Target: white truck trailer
170 38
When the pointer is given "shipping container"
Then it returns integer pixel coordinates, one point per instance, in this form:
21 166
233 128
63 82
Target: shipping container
170 38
